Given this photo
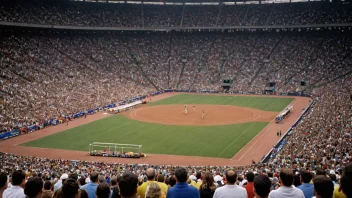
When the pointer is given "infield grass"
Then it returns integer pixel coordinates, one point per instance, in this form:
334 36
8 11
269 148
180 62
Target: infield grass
208 141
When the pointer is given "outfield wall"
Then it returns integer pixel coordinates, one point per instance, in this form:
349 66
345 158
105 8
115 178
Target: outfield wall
240 92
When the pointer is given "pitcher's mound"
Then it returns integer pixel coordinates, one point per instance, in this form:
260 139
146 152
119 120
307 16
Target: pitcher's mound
214 115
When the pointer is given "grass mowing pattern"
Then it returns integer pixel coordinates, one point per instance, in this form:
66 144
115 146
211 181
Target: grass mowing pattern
262 103
209 141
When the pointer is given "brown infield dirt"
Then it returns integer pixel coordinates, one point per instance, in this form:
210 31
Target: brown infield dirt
259 146
213 115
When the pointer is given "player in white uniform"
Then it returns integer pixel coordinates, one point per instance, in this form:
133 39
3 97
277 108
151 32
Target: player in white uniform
185 110
203 114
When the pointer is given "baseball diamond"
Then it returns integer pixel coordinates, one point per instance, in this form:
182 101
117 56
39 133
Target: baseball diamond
231 123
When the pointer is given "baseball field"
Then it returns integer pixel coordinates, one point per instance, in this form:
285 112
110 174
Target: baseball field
162 127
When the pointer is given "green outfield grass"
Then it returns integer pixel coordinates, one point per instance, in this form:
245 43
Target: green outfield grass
209 141
262 103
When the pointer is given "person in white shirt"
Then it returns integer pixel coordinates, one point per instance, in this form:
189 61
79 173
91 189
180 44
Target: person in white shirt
286 189
243 182
61 181
16 190
230 190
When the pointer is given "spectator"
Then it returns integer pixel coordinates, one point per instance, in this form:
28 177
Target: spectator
296 180
103 190
61 181
101 179
91 187
161 183
70 189
262 185
323 187
286 189
116 192
182 189
167 182
199 179
334 180
154 191
207 188
321 171
34 187
3 183
73 176
150 174
250 186
115 186
275 184
230 190
306 187
346 180
82 181
338 193
242 181
18 182
48 190
58 193
114 181
128 185
172 181
83 193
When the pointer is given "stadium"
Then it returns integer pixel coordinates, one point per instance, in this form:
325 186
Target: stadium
104 89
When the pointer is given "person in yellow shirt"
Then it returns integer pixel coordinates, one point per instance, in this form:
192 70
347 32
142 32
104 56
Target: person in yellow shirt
150 179
338 193
199 180
161 183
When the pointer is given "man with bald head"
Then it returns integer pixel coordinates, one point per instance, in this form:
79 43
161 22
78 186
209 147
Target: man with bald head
91 187
230 190
150 178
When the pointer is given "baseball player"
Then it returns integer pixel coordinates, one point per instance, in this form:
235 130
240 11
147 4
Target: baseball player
194 108
185 110
203 114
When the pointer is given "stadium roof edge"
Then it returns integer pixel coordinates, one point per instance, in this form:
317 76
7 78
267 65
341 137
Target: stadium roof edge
204 2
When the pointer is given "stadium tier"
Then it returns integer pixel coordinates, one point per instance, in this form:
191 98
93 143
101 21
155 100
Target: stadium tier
245 99
132 15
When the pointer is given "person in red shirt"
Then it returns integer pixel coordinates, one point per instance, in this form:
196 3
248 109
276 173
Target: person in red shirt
250 185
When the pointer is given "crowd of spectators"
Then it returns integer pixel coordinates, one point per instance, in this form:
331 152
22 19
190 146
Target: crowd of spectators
144 15
37 177
326 131
50 76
